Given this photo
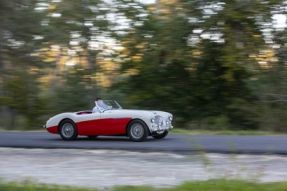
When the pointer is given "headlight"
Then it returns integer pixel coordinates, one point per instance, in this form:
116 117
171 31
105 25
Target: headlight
170 118
152 120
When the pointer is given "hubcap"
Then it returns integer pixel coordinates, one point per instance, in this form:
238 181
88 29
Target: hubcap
137 130
67 130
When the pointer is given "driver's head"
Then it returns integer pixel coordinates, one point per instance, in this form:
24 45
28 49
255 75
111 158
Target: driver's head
97 99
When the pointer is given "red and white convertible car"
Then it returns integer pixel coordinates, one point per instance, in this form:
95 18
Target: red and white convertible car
110 121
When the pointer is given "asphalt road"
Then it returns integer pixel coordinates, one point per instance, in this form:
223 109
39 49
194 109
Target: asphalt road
273 144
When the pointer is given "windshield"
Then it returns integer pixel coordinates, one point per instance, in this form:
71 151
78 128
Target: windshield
108 105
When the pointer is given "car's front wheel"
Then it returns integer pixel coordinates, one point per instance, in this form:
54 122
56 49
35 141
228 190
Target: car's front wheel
137 131
160 135
68 130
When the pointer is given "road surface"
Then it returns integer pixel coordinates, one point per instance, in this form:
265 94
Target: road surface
273 144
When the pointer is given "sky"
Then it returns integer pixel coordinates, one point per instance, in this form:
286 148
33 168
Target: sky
279 20
147 1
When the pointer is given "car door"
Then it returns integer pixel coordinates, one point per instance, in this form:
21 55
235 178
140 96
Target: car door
89 124
113 123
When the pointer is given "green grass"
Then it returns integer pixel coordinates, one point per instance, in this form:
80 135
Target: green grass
30 186
211 185
223 132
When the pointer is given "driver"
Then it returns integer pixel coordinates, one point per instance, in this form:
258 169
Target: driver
100 106
96 109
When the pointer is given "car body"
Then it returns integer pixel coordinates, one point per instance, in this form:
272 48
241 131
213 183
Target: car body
111 121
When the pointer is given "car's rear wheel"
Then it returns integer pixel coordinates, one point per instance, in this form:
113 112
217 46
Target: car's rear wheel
137 131
68 130
160 135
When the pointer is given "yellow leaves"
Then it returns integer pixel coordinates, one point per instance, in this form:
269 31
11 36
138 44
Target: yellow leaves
103 80
256 36
166 7
62 56
196 53
132 72
107 72
168 2
265 58
65 58
34 70
137 57
107 65
46 80
152 8
49 54
141 46
52 7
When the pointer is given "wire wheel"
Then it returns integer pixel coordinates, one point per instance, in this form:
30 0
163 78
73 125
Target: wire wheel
68 130
137 131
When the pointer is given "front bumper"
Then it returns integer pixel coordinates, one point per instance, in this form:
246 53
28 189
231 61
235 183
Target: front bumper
155 128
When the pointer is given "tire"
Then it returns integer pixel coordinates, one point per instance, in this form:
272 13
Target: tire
92 137
68 130
137 131
160 135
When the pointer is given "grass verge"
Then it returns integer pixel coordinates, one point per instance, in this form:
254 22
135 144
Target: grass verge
224 132
210 185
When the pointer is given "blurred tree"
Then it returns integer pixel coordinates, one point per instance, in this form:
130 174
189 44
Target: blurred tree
19 28
272 87
88 30
214 95
42 38
172 61
196 59
238 27
72 94
20 96
156 70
